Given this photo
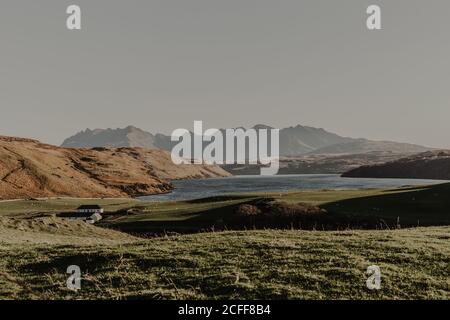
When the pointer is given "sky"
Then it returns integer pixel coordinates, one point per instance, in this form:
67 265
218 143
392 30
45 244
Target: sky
161 64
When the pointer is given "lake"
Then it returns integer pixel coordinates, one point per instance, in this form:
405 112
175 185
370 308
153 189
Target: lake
195 189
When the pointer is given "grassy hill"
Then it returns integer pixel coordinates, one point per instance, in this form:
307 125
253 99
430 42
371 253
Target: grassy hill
285 263
236 265
369 209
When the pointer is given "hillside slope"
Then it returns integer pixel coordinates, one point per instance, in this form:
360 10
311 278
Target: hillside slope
427 165
53 230
270 264
29 168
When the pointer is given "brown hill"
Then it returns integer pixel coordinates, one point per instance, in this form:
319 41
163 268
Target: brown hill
426 165
29 168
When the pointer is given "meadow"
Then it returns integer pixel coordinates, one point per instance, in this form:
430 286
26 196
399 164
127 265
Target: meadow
267 264
345 209
183 261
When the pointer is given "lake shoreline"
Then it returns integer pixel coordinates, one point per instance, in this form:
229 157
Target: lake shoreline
190 189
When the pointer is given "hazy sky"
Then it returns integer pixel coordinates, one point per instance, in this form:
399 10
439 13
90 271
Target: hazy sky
160 65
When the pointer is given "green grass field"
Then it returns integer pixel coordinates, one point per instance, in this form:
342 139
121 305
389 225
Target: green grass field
414 263
252 264
419 206
12 208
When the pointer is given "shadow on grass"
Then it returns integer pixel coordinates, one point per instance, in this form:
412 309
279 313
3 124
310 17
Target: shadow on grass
406 207
88 262
220 198
424 206
227 217
204 220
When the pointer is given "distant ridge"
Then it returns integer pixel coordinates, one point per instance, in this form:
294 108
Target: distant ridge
294 141
426 165
364 146
126 137
300 140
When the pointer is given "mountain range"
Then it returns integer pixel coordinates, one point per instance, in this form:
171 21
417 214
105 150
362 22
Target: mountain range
294 141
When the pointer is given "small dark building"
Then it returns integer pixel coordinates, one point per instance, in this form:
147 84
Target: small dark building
90 208
88 213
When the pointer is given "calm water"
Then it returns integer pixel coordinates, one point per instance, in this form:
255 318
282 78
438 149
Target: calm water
194 189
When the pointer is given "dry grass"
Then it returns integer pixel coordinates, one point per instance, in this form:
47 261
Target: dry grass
415 264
